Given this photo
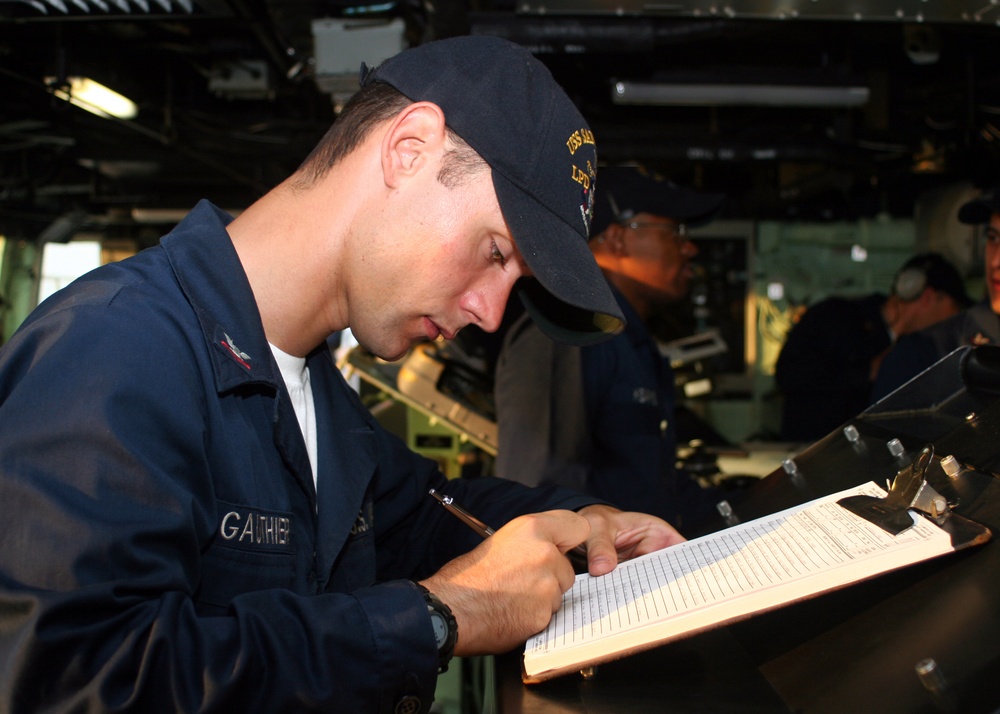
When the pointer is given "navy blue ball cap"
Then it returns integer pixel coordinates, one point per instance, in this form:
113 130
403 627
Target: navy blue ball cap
507 106
979 210
629 190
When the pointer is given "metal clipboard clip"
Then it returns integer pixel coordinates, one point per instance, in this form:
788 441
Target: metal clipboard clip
909 491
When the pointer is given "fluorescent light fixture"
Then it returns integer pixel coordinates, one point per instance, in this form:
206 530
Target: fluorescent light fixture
95 98
774 95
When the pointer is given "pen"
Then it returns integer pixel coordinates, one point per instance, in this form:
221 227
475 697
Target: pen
577 555
463 515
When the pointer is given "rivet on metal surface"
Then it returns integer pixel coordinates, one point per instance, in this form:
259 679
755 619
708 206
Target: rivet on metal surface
726 511
935 683
950 465
930 674
895 447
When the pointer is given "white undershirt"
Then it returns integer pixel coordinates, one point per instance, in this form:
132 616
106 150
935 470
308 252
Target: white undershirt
296 376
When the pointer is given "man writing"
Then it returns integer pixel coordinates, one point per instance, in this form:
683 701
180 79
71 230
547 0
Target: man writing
601 418
199 512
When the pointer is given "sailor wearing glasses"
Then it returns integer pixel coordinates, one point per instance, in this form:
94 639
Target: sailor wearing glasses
601 418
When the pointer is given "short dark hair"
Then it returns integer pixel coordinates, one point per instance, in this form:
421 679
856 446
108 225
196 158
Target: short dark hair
368 107
460 162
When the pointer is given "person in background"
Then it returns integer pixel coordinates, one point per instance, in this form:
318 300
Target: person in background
977 325
200 515
600 418
827 365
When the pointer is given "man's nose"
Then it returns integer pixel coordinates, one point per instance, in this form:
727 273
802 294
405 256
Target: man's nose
493 310
488 305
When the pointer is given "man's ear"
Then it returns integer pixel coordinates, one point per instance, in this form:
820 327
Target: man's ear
891 309
413 140
614 237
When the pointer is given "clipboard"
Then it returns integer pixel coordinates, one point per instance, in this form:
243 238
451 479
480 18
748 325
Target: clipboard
754 567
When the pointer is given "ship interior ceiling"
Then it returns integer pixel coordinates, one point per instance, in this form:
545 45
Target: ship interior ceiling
815 109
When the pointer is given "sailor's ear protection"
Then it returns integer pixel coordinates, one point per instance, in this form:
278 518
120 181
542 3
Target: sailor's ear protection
909 283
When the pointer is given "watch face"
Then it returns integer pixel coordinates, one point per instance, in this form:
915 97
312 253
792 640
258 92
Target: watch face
440 629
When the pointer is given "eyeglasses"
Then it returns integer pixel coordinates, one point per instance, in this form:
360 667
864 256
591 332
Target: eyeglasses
677 230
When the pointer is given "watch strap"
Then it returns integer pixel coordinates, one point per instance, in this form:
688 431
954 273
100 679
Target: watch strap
447 649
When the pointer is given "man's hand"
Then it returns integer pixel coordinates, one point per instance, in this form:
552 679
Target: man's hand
620 535
507 588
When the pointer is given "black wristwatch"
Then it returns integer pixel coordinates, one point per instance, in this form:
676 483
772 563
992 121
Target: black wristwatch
445 627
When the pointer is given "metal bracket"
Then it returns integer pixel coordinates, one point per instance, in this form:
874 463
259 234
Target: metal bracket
908 491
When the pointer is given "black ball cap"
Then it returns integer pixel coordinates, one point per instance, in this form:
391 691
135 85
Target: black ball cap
979 210
507 106
629 190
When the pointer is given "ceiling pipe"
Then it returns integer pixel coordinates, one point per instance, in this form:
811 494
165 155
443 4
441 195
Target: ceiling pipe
576 35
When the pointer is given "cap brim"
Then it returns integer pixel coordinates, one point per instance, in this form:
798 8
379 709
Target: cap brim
569 297
691 207
978 211
632 193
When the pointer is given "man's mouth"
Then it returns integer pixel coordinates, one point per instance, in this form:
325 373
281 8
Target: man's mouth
431 330
434 331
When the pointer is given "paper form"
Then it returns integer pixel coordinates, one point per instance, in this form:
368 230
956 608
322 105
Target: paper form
743 569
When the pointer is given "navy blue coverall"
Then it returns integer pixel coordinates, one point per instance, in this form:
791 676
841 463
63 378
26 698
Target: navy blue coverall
164 547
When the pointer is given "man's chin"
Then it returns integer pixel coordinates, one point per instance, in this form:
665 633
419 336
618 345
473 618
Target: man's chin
671 298
396 352
392 357
388 353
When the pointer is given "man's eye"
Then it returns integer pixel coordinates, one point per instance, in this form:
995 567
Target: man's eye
497 256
